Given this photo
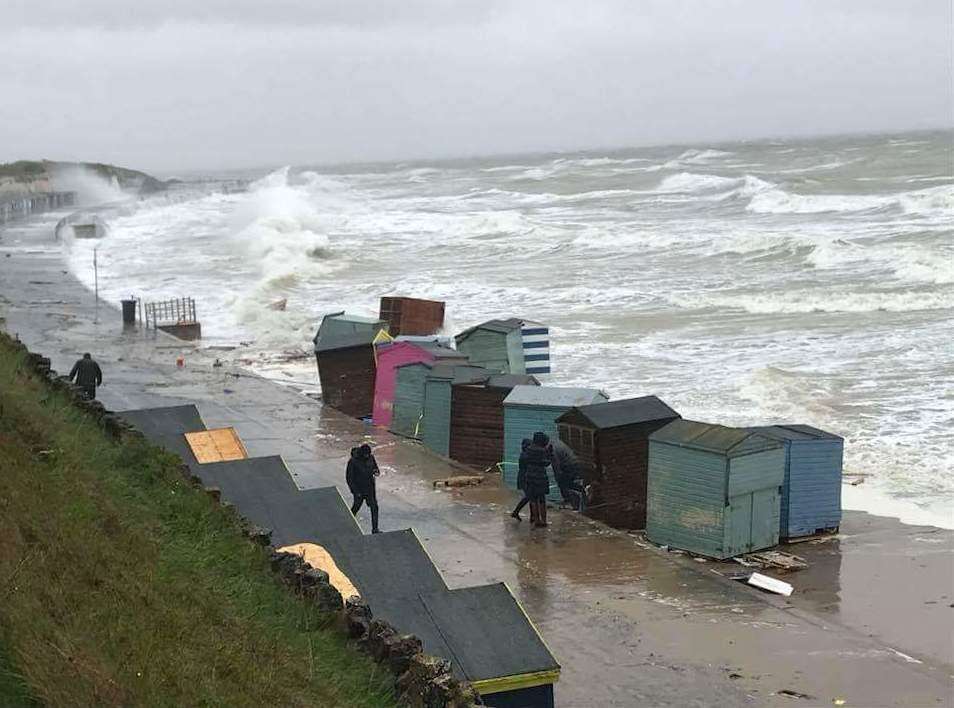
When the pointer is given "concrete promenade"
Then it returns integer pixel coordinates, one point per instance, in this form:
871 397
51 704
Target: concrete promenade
870 623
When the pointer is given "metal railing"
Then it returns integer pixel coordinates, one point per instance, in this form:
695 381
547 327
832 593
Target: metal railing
177 311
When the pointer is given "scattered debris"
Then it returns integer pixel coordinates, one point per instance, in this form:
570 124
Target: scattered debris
785 562
794 694
459 481
765 582
279 305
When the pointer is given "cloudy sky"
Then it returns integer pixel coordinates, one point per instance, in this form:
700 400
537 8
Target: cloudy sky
179 84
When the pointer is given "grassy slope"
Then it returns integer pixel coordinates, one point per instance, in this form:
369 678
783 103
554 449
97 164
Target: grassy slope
119 584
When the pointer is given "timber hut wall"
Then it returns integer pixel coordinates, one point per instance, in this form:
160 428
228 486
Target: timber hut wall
477 420
347 379
412 316
611 441
407 418
811 490
714 490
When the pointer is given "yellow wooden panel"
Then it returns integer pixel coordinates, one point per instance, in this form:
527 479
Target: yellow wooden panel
317 557
218 445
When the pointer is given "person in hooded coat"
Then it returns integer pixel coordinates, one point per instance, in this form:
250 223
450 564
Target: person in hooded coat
537 457
566 471
522 485
360 474
88 375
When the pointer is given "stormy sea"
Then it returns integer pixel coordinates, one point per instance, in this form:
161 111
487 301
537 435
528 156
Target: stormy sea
807 281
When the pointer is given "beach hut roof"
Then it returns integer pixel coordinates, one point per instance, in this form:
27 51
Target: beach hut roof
789 431
628 411
511 380
713 438
502 326
345 340
460 373
554 396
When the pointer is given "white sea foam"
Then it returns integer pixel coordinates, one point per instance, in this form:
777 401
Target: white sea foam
835 318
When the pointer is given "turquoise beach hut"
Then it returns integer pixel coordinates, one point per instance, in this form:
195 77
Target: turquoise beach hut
529 409
438 386
714 490
811 490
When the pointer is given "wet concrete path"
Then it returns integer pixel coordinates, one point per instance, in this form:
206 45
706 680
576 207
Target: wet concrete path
631 625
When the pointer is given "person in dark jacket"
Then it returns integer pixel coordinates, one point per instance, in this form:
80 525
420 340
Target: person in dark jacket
522 485
537 458
362 469
88 375
566 471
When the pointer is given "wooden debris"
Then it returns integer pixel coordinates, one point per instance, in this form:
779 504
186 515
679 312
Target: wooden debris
459 481
765 582
779 560
278 305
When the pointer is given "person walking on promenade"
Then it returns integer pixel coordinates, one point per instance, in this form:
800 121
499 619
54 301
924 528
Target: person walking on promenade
362 469
537 458
522 485
88 375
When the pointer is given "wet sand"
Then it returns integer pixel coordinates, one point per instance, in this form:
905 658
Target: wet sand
870 622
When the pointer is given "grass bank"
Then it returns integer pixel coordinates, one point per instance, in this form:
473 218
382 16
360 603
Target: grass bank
122 585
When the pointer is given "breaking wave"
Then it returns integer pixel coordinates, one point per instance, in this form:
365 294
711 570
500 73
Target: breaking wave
934 201
821 300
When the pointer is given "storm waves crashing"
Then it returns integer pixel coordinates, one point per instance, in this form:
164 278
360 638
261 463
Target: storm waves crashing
807 281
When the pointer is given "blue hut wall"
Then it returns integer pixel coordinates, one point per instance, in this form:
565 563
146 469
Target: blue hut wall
520 423
811 490
752 514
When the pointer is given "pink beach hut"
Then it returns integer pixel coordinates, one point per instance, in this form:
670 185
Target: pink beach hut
390 356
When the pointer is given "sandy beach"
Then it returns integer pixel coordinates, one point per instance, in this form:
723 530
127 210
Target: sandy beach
870 622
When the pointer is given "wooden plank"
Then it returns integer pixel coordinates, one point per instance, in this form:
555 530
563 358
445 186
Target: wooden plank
217 445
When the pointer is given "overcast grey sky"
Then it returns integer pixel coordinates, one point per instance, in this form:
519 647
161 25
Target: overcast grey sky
178 84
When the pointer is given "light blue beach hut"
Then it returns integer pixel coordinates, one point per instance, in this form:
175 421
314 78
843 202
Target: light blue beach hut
529 409
438 386
811 489
714 490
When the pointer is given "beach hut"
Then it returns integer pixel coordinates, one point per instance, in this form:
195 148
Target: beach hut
811 488
528 409
438 383
345 352
511 346
411 316
477 418
391 356
714 490
612 442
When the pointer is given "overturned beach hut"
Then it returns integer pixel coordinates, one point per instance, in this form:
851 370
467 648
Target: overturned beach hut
412 316
393 355
611 441
438 383
511 346
811 488
528 409
345 351
477 418
714 490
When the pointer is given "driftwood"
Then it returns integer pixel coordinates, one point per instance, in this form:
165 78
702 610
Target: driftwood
459 481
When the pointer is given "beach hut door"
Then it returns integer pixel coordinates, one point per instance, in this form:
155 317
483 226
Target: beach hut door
740 525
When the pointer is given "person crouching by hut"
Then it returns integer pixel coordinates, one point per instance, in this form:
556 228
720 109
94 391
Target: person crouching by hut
566 471
362 469
537 458
522 485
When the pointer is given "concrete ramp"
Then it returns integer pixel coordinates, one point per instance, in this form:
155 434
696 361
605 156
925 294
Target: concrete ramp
244 480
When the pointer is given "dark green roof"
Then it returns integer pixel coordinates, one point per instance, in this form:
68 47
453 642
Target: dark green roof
713 438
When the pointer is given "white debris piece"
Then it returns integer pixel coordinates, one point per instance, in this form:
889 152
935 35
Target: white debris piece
765 582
